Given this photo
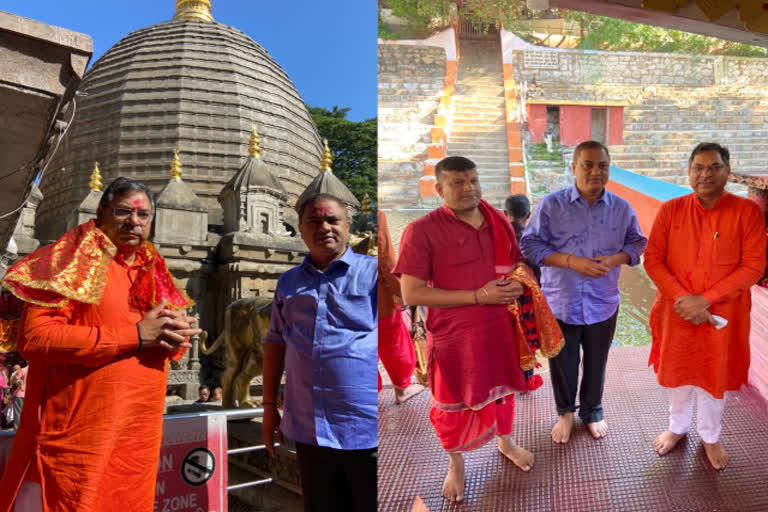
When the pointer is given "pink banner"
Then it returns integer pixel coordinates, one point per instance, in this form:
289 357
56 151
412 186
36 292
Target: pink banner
758 335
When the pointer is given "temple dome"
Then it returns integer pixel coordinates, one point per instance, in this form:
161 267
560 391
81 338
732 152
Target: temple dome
194 85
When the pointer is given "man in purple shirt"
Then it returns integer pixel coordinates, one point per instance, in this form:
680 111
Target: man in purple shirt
324 333
580 237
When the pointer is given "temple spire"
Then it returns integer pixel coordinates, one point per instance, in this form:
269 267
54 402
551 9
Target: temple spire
175 170
254 149
193 10
325 163
95 183
366 208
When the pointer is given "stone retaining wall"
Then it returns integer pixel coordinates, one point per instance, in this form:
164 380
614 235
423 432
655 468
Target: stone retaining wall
410 80
579 67
672 102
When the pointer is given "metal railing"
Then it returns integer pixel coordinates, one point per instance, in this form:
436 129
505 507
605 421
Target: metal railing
469 29
233 414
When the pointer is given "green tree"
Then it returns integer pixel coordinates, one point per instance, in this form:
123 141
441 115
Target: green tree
602 33
598 32
353 149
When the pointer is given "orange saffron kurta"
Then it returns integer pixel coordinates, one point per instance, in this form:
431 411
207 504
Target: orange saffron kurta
92 421
718 253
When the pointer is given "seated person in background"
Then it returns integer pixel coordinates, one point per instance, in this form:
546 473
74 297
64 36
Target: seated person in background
203 394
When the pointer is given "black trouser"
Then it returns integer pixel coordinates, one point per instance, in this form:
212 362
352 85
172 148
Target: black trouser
18 404
595 339
337 480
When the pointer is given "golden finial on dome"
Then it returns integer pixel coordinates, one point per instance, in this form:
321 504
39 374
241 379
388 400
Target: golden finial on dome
366 206
254 149
95 183
175 171
193 10
325 163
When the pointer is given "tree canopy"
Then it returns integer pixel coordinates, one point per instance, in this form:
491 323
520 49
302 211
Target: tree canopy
598 32
353 149
602 33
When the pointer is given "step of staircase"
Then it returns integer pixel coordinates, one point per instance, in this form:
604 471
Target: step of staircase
470 138
478 123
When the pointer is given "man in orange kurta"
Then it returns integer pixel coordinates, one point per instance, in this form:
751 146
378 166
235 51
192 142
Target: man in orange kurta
396 349
102 317
705 251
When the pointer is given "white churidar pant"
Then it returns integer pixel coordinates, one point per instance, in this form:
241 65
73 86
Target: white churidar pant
708 416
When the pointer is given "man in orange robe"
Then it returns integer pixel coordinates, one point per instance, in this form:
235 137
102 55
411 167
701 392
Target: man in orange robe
102 317
705 251
396 349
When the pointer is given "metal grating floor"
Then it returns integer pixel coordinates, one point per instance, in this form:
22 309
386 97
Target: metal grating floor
618 473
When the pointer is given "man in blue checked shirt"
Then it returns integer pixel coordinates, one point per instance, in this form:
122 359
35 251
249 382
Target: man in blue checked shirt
324 333
580 237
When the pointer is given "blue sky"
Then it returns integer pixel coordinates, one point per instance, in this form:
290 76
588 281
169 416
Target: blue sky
334 39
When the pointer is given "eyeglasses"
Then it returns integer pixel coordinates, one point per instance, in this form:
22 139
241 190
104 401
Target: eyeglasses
123 213
600 167
714 168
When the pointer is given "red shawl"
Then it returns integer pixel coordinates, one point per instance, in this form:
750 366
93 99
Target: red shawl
75 267
535 325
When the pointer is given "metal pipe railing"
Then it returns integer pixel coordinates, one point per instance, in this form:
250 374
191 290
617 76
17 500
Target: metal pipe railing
233 414
251 484
235 451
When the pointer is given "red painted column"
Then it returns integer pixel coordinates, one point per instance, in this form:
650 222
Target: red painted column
615 126
537 122
575 124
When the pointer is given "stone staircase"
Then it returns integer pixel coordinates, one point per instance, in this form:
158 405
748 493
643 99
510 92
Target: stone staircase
478 128
660 134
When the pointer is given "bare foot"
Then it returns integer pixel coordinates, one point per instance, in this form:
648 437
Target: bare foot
561 432
418 505
403 394
453 486
522 458
665 441
716 455
598 429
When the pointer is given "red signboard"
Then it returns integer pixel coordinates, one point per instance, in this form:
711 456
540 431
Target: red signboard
192 473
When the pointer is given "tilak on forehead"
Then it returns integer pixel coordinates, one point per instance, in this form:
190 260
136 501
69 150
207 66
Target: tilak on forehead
321 209
139 203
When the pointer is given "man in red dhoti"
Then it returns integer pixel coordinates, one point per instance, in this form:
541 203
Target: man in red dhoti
705 251
102 317
452 260
396 349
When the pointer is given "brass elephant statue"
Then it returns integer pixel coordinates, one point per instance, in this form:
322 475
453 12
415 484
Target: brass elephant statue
246 322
